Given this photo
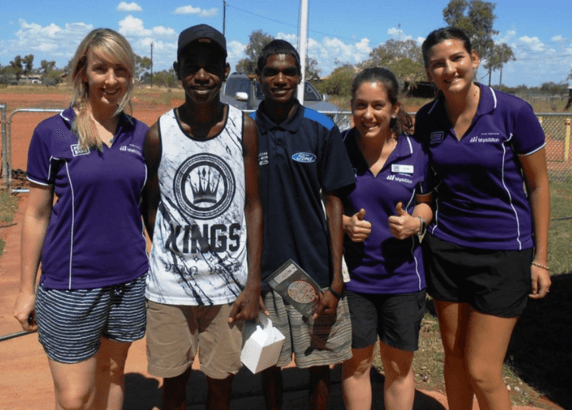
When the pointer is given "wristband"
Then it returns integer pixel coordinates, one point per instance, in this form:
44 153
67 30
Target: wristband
540 266
423 228
336 294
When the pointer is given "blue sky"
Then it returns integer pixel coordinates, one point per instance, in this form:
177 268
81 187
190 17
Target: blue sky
540 33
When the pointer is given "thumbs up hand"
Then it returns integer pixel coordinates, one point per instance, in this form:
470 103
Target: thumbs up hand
402 225
356 227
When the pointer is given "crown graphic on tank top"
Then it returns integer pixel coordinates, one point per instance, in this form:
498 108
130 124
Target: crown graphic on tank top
207 187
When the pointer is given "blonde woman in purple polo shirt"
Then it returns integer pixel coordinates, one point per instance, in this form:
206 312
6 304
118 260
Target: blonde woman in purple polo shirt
487 245
89 305
385 213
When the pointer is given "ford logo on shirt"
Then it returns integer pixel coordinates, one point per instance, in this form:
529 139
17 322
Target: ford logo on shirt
304 157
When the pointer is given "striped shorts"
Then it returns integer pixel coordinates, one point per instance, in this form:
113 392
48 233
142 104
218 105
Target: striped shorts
324 341
71 323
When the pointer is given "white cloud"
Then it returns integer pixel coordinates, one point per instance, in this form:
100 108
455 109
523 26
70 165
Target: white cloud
51 42
196 10
326 51
129 7
558 39
506 37
530 44
164 52
398 34
235 50
133 27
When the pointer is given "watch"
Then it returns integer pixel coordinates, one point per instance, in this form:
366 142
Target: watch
423 228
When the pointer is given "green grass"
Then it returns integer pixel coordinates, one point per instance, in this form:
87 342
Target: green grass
158 95
559 250
36 89
8 205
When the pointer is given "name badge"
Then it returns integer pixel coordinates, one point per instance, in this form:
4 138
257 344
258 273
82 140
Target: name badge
402 169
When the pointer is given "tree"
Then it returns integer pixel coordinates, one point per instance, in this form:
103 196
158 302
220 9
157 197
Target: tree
69 66
312 70
257 40
28 62
552 88
476 17
403 57
16 66
498 57
47 66
142 66
165 78
338 82
54 77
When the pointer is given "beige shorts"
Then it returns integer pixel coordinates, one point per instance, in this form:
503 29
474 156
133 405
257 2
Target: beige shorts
175 333
325 341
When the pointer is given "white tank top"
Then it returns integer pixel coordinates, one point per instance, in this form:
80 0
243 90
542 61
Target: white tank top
199 240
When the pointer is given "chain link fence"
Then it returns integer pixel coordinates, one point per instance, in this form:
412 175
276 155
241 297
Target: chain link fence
558 148
556 127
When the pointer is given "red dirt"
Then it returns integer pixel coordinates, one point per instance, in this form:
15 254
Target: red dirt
25 381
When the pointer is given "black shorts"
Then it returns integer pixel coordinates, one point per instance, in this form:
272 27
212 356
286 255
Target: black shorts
395 318
492 282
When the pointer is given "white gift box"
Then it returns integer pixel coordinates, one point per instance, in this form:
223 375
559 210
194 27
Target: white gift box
262 344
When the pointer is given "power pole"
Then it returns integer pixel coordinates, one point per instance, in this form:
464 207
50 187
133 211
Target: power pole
502 64
223 16
302 46
151 64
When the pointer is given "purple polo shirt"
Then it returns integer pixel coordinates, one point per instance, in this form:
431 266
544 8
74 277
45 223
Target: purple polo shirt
95 234
383 264
480 197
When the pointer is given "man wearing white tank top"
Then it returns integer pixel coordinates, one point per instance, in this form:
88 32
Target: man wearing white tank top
203 213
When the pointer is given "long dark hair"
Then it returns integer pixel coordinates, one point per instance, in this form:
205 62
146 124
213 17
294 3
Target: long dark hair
442 34
403 121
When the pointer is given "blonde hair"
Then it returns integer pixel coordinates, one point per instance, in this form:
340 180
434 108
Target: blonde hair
108 44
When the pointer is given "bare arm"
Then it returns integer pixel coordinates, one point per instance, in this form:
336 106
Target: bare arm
536 180
151 193
402 225
35 223
356 226
248 303
328 301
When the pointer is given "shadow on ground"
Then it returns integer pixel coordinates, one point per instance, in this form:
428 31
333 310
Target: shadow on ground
540 351
144 393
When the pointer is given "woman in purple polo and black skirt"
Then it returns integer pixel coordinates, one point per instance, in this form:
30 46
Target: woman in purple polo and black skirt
487 245
385 215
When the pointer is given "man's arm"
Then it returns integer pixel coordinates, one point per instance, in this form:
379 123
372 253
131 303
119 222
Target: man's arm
247 305
151 194
334 211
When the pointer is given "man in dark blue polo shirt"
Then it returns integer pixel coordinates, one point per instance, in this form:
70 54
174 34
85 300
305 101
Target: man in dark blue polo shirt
302 162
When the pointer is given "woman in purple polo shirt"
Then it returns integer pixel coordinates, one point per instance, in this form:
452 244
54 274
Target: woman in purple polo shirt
385 213
487 246
89 305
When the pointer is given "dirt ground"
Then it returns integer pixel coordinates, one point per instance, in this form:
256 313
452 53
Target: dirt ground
25 381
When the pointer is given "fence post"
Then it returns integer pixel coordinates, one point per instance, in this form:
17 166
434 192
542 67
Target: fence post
4 145
567 140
